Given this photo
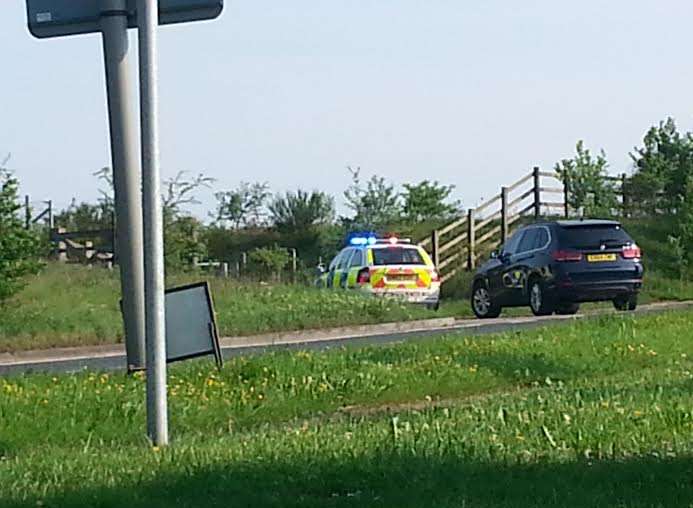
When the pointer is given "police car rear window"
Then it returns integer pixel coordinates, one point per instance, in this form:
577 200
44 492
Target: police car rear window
397 256
587 237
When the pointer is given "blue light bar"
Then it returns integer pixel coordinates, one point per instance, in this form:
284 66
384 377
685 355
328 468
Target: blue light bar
362 240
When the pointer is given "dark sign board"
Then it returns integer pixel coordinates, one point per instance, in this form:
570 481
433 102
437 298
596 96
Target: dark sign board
56 18
191 325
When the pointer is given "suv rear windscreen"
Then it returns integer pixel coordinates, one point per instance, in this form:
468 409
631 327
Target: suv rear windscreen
397 256
592 237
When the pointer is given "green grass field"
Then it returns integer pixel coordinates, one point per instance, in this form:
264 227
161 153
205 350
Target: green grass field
73 305
593 413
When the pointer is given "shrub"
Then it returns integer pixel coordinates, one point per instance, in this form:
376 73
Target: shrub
19 247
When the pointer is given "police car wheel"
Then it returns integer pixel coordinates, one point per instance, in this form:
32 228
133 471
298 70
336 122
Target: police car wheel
433 306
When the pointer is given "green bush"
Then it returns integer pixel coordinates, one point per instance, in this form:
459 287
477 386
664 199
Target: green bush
19 247
272 260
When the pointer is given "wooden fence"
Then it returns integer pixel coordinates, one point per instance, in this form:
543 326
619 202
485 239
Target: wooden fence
460 244
79 247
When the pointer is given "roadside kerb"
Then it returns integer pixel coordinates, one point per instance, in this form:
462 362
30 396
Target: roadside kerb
329 335
263 340
341 333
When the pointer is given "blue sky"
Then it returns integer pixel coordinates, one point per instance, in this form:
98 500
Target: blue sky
469 93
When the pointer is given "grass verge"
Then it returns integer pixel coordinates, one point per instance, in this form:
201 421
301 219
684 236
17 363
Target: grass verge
594 413
73 306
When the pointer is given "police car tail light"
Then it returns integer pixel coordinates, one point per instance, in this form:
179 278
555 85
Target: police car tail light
435 277
364 276
564 256
631 251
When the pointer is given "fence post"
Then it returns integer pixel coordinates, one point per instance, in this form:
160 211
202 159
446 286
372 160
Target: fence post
114 239
504 214
195 257
471 231
624 194
537 193
244 262
566 196
294 264
62 246
27 213
89 251
50 213
435 247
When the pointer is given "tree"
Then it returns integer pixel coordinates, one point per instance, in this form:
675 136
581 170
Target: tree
107 199
84 217
183 241
301 210
19 247
587 181
663 167
376 204
427 201
243 206
91 216
182 231
179 192
272 260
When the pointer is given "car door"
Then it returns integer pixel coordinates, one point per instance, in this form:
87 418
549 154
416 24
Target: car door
500 265
521 265
332 269
342 268
355 264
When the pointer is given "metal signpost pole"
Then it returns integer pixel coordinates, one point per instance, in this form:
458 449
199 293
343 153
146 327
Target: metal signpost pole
157 410
126 176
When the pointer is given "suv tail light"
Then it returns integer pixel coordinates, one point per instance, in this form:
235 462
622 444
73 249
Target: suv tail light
631 251
566 256
364 276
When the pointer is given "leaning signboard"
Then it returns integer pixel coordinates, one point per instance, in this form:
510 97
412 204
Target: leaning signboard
191 325
56 18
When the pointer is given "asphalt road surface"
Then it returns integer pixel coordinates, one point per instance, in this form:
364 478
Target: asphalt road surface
465 327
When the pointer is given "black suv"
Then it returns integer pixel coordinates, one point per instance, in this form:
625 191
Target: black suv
553 266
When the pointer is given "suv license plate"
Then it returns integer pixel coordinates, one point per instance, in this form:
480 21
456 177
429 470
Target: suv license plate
599 258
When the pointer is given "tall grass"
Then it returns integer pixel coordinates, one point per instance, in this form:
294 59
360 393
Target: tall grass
73 305
597 413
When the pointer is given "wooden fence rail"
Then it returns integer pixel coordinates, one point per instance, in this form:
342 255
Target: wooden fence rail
460 244
67 248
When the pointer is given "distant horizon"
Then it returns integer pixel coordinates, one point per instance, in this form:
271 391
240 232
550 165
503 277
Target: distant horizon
472 96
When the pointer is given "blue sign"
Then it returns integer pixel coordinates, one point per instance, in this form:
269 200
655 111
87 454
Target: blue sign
57 18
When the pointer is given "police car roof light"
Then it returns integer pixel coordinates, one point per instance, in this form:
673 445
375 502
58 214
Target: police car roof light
394 240
362 240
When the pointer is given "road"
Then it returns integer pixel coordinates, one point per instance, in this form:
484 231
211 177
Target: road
115 359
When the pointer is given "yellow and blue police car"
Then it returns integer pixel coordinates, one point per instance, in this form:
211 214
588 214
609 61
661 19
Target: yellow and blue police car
390 267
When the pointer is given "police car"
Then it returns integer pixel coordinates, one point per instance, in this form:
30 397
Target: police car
391 267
